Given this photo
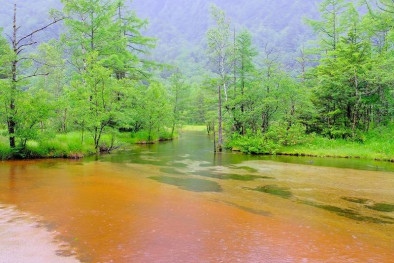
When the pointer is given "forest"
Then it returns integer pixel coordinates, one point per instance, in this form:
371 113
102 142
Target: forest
93 76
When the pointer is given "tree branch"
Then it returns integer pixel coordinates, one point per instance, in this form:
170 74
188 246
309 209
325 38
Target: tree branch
28 44
34 75
39 30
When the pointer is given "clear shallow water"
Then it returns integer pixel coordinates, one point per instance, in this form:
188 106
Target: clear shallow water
198 146
178 202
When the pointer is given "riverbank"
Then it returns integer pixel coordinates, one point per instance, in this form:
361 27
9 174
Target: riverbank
73 146
376 145
323 147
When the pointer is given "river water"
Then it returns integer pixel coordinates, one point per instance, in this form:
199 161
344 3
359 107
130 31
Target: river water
178 202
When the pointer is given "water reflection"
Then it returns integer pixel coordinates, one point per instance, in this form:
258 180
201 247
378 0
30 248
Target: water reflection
189 184
197 146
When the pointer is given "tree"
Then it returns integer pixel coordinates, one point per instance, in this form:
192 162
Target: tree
270 77
95 98
109 29
111 34
330 27
178 97
19 62
343 85
378 25
51 57
219 49
245 71
156 109
90 28
129 59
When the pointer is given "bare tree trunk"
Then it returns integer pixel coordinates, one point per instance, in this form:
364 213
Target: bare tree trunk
83 132
64 126
235 66
220 139
356 107
11 117
243 91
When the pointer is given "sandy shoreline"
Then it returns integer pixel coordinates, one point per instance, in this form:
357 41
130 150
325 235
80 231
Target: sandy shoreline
23 240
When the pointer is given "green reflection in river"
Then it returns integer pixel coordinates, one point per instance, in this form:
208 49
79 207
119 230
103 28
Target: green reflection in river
237 177
189 184
198 147
274 190
348 213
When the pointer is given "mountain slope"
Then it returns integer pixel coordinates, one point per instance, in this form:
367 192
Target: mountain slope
181 25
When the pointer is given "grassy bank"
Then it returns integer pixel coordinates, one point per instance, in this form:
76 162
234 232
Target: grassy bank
377 144
71 145
322 147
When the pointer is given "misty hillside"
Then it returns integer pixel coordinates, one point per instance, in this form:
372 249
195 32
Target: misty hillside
181 25
190 19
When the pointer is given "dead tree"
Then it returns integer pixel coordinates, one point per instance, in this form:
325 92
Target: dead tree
19 45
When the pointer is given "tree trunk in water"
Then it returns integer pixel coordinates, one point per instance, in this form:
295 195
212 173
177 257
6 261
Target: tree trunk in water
173 130
209 128
243 93
220 139
214 137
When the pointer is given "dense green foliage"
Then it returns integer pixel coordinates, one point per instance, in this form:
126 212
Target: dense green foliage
344 91
94 80
86 78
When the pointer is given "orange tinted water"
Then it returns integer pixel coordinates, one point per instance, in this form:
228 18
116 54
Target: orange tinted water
117 209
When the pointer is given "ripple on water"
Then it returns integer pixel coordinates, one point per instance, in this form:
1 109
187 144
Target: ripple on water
24 239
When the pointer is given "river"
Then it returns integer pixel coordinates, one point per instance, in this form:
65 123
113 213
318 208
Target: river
178 202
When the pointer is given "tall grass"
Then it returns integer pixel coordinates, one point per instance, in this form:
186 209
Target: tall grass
377 144
5 150
71 145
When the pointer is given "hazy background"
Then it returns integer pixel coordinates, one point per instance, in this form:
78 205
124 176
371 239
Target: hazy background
181 25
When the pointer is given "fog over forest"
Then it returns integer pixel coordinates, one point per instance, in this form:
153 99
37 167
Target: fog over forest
180 25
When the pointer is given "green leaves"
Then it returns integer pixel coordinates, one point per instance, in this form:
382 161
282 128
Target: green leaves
352 89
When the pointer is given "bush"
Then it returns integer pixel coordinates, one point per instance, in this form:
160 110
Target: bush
254 144
283 135
278 135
